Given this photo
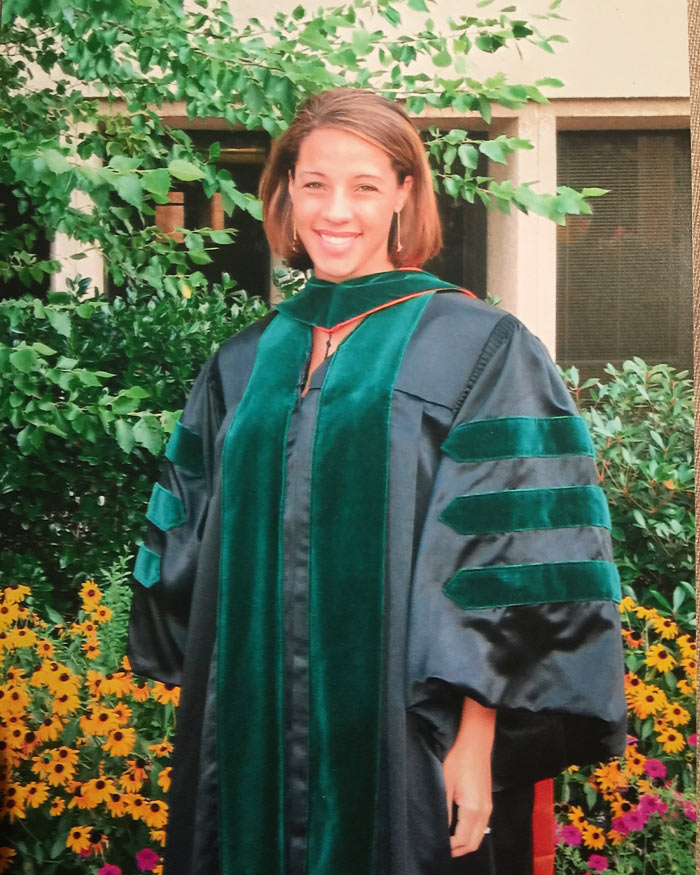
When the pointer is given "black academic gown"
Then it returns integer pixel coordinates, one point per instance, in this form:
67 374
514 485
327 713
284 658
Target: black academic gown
496 583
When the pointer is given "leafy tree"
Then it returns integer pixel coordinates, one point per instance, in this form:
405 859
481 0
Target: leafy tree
90 384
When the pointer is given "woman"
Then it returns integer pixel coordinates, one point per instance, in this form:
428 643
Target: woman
378 562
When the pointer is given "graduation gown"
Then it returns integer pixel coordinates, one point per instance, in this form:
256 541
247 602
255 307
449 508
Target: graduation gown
328 576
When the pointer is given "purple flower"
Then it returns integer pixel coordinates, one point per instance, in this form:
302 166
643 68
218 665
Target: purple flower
634 819
690 810
571 834
655 768
146 860
598 863
620 826
693 740
109 869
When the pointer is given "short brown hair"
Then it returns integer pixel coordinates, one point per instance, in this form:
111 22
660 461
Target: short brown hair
381 122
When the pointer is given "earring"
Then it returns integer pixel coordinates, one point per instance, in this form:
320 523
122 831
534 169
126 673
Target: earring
295 239
399 247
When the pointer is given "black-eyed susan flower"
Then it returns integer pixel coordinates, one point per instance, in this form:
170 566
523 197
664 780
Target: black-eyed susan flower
649 700
45 649
166 693
117 683
676 715
99 721
116 804
687 645
139 690
576 815
57 806
15 593
49 729
162 749
7 855
593 836
99 789
64 704
102 614
671 740
691 668
646 613
157 835
135 804
685 688
609 777
632 638
77 797
627 604
120 742
155 814
37 792
79 839
665 627
620 806
658 657
123 713
92 649
164 779
9 614
634 762
134 775
13 805
21 637
90 595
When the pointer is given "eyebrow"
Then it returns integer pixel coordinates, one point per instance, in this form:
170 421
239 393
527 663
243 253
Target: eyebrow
357 175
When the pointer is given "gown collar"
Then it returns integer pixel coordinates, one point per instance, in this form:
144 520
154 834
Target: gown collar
326 304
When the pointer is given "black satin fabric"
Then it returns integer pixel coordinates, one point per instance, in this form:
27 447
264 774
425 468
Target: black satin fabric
554 672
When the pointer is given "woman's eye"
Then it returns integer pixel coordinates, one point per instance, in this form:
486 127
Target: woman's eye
312 185
368 188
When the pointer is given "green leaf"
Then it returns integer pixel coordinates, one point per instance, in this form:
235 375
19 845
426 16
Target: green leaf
185 170
493 150
594 192
549 82
43 349
129 189
220 237
125 435
24 359
65 363
147 433
59 321
468 155
157 182
442 59
361 42
134 392
418 5
56 162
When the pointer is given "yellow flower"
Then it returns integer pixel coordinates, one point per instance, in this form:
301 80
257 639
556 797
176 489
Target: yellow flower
688 646
658 657
79 839
37 792
45 648
123 713
13 700
99 721
684 687
57 806
166 693
158 835
620 806
63 682
155 814
92 649
676 715
49 729
665 627
98 790
162 748
14 802
632 638
90 595
671 740
593 836
6 857
576 815
609 777
626 604
134 775
77 798
164 779
615 837
120 742
65 704
690 667
139 690
649 700
135 804
16 593
102 614
118 683
117 804
646 613
22 637
9 614
634 762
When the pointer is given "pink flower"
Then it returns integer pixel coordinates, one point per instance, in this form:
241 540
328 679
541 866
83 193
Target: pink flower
620 826
693 740
146 860
595 861
650 804
655 768
690 810
109 869
634 819
571 834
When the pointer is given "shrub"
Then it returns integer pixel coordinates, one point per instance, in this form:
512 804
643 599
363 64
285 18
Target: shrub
641 420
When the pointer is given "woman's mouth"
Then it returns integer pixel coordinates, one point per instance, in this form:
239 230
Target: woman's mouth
337 241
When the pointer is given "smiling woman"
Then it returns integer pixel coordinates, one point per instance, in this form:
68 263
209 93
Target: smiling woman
378 559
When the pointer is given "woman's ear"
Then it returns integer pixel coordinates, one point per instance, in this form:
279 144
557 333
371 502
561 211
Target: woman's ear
404 192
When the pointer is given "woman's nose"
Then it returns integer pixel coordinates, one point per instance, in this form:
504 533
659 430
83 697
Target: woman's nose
337 206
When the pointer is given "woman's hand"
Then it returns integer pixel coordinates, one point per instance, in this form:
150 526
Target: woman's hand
467 773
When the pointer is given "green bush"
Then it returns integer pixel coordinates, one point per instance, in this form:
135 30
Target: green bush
89 391
641 420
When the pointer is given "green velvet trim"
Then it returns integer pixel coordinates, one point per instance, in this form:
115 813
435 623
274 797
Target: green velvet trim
184 449
515 437
541 583
346 594
147 566
520 510
327 304
165 510
250 628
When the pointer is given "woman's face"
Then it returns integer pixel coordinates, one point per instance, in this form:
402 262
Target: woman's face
344 195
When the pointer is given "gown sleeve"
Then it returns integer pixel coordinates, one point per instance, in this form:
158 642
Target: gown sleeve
514 601
166 562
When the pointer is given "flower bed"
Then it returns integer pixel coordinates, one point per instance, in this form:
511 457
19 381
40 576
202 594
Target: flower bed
637 814
83 750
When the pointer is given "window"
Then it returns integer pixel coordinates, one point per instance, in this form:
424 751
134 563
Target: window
624 281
